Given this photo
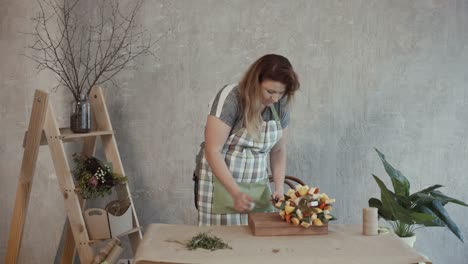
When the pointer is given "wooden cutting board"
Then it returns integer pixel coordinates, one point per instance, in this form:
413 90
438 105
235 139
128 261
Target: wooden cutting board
271 224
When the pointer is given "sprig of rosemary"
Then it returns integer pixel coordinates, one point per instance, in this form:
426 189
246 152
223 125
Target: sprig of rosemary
204 240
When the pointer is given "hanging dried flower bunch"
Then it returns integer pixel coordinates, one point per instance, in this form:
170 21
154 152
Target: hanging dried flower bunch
94 177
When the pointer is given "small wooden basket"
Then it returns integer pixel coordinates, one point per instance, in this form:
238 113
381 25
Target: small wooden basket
120 217
114 221
97 223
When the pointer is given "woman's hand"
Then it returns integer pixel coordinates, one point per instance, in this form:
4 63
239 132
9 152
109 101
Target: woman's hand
278 194
242 202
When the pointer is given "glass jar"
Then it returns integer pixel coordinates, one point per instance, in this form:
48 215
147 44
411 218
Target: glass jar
80 119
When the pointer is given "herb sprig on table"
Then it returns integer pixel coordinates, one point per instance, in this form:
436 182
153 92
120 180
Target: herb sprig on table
206 241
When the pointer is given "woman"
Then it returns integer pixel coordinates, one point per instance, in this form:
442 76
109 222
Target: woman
246 125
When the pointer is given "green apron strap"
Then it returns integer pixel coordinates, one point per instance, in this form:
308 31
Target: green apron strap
275 114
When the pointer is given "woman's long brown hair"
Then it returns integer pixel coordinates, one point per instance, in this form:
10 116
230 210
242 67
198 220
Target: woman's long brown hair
269 67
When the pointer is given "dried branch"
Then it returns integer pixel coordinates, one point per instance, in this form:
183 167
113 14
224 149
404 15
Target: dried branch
81 53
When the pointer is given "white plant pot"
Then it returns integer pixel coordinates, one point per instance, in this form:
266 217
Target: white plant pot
409 240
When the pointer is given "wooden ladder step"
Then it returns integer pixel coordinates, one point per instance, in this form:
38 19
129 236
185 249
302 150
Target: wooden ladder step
66 135
131 231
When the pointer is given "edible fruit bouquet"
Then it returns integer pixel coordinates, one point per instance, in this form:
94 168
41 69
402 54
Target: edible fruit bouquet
305 206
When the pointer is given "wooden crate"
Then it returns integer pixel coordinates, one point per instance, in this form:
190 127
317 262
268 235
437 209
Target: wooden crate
271 224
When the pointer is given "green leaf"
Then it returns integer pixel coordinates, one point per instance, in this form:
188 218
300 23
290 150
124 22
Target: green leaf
440 211
422 218
429 189
333 217
400 183
402 229
404 201
422 199
383 212
321 216
390 203
445 199
427 210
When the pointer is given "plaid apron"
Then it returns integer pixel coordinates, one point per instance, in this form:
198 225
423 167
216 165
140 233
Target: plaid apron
246 159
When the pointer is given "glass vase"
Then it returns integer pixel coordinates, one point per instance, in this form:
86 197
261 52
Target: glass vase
80 119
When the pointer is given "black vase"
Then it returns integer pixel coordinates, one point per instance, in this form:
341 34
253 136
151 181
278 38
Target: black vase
80 119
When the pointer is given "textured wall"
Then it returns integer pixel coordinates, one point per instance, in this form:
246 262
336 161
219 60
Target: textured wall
18 80
385 74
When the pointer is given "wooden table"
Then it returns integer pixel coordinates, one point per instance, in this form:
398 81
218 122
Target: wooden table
343 244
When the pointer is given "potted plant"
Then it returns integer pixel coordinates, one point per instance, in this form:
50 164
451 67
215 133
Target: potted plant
407 212
84 52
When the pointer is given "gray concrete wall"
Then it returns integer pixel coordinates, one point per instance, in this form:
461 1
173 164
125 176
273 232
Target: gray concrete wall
385 74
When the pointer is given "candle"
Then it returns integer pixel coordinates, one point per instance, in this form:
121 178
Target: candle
369 221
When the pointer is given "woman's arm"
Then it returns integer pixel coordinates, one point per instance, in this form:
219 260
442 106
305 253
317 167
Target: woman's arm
216 135
278 165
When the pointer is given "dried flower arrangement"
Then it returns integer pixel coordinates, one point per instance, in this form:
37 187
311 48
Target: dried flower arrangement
95 178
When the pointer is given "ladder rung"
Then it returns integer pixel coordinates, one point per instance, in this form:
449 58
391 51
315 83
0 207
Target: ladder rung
68 136
133 230
66 133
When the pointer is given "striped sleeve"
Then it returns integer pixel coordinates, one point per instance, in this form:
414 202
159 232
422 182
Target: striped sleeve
225 105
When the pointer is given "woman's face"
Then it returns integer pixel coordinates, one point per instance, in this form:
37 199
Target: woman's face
272 91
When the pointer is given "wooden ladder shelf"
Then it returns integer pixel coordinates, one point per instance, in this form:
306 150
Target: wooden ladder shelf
43 130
